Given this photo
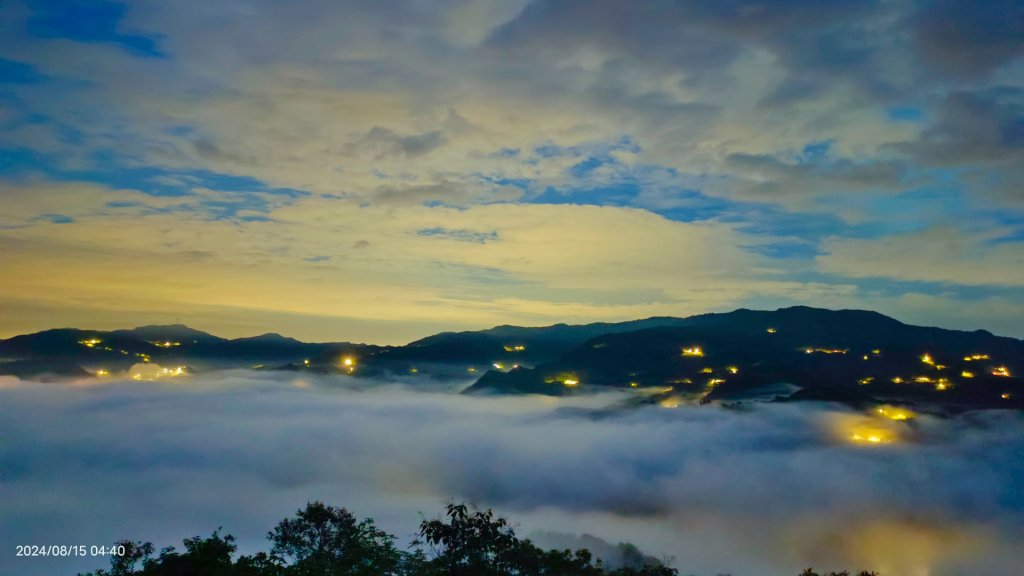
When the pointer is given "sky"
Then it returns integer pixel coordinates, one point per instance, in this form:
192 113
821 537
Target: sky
379 171
769 490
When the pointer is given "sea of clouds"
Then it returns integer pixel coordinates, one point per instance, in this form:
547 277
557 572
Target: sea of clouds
764 491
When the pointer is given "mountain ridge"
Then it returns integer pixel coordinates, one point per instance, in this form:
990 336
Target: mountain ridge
841 354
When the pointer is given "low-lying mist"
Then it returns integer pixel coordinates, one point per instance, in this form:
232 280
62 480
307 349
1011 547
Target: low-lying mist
762 491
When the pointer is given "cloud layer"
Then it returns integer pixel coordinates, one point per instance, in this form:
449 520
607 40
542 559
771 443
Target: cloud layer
305 144
766 491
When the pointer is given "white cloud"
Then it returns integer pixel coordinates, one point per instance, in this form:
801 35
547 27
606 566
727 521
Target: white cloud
938 254
767 490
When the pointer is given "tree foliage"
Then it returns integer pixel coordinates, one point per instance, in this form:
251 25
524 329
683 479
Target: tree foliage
322 540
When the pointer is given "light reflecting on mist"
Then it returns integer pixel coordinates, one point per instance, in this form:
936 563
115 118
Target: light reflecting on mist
769 490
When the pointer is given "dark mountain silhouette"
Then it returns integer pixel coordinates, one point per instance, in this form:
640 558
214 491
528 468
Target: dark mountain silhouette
542 344
845 355
850 356
112 351
170 332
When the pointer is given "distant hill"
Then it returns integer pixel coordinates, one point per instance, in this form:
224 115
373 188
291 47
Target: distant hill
516 343
851 356
117 349
844 355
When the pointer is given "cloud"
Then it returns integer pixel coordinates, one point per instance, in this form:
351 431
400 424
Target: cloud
937 254
967 39
698 111
762 176
508 270
688 81
772 489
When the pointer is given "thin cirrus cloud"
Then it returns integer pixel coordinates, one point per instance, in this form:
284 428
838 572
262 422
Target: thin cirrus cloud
788 130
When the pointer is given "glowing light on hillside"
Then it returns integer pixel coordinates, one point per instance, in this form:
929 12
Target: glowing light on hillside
349 363
897 380
571 382
471 369
771 330
694 351
150 372
870 438
927 359
923 379
868 380
867 430
974 357
498 366
715 382
1005 396
414 370
306 362
876 352
733 369
165 344
634 384
966 374
514 348
894 413
865 356
826 350
90 343
1001 371
708 370
102 372
942 384
671 402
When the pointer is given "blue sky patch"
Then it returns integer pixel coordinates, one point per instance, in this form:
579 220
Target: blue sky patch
461 235
14 72
93 21
905 114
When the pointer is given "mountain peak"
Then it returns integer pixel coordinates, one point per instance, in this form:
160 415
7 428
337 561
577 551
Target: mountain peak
270 337
167 331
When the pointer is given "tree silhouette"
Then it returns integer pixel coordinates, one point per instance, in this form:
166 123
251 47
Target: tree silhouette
321 540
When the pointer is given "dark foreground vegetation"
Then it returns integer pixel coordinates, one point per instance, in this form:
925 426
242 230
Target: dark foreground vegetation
325 541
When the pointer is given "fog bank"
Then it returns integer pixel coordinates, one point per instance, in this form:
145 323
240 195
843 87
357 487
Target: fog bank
765 491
